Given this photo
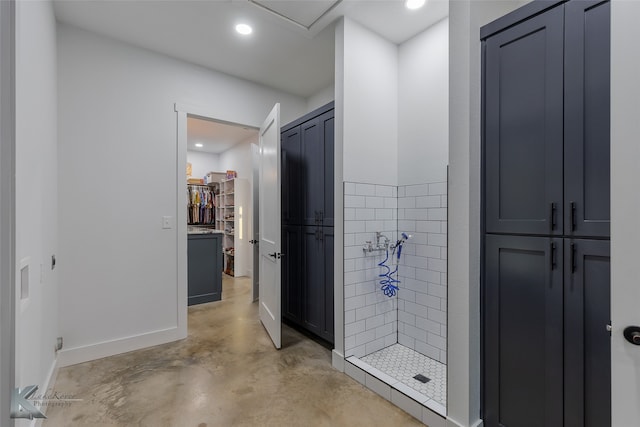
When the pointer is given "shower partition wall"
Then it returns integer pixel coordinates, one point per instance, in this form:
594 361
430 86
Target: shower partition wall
397 345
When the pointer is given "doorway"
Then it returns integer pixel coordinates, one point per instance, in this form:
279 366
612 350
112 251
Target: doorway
208 148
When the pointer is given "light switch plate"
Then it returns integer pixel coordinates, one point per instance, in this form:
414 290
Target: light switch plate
167 222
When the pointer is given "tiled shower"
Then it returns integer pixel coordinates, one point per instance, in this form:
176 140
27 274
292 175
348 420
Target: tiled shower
396 338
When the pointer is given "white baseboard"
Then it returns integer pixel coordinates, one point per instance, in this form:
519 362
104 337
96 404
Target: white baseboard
337 360
454 423
44 388
73 356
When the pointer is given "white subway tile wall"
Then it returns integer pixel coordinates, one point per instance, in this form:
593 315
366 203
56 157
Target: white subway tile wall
422 298
416 317
371 322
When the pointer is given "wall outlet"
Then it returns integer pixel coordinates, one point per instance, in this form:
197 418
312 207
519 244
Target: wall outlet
167 222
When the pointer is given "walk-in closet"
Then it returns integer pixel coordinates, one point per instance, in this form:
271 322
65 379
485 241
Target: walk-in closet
218 202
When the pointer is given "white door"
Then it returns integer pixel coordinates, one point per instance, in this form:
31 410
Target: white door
269 211
255 238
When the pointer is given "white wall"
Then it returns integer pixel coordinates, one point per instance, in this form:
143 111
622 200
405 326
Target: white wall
463 382
321 98
423 106
370 102
203 163
7 206
625 210
36 191
118 175
238 158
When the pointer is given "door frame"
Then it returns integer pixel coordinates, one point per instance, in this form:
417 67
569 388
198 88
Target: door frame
7 208
182 112
255 247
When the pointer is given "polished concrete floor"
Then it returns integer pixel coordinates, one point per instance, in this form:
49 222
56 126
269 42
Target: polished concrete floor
225 373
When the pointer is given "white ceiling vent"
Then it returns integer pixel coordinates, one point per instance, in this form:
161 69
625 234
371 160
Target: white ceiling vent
303 16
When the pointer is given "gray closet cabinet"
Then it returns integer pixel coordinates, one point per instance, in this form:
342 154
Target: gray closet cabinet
523 127
546 178
307 147
546 125
547 358
523 340
587 354
204 268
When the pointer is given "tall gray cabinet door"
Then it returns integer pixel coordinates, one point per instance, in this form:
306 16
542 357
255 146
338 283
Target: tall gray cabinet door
328 245
587 342
312 171
291 153
587 101
523 97
523 332
327 123
313 292
292 272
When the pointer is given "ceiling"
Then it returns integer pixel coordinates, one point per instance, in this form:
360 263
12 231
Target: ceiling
292 45
215 137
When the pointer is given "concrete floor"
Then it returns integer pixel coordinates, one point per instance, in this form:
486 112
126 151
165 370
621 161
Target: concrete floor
225 373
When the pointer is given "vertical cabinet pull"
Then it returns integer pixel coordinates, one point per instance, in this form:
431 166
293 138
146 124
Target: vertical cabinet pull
553 216
573 258
553 255
572 216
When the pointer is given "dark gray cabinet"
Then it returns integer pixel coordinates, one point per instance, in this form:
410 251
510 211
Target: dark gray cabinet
546 106
307 221
204 268
291 154
546 178
587 367
523 127
317 272
547 348
523 338
587 122
291 273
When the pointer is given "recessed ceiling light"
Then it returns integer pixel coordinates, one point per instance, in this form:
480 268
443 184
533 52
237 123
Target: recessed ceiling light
414 4
244 29
199 145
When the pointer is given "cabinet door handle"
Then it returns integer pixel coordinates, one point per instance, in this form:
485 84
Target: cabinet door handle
553 256
553 215
572 210
274 255
573 258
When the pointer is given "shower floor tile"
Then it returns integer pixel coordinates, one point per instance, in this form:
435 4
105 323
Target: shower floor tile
403 364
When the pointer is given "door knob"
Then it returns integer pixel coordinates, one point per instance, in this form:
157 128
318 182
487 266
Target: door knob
632 334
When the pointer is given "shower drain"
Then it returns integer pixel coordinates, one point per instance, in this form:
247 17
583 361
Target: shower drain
422 378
